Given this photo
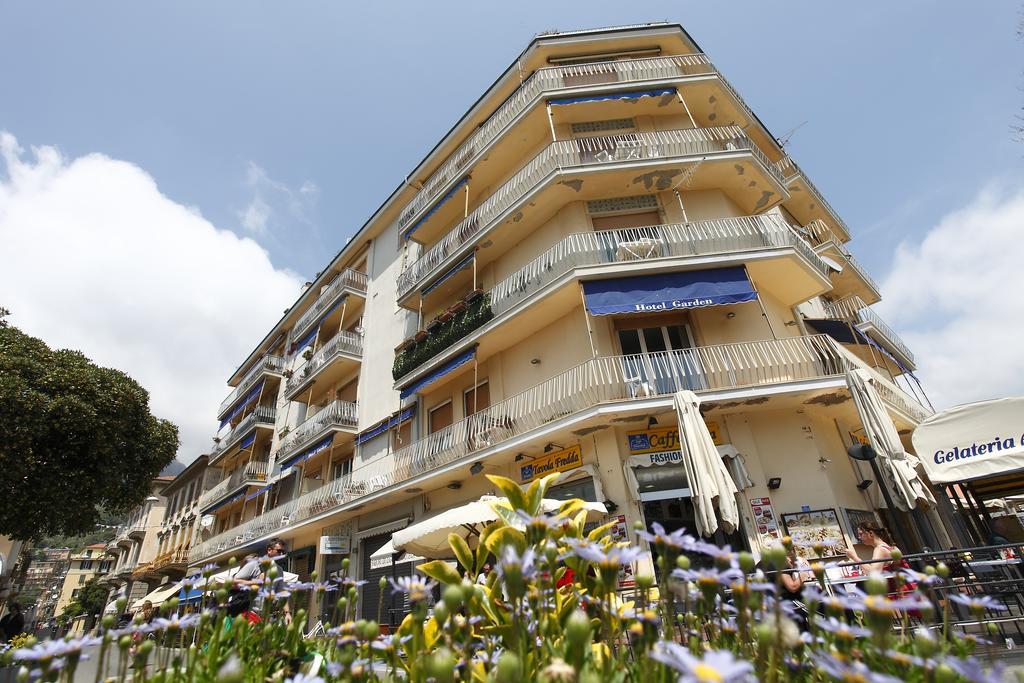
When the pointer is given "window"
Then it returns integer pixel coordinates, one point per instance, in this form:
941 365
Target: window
81 579
624 212
655 339
74 593
440 417
85 564
602 127
341 469
401 435
475 401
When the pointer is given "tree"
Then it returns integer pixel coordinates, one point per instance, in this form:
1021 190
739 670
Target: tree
92 597
74 438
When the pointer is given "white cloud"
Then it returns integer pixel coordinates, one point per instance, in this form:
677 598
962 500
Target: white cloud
97 259
956 296
272 199
254 218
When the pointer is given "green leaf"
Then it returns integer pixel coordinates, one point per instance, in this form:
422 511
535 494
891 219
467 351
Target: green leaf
600 531
439 570
511 491
481 550
504 536
462 552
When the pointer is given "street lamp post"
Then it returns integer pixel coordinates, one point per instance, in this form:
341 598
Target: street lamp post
865 453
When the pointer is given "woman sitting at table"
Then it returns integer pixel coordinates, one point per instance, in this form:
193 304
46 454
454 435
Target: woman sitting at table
878 538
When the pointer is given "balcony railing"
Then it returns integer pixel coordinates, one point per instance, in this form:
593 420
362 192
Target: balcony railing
254 471
346 279
267 364
821 235
579 76
260 415
335 414
568 154
790 170
854 310
593 382
723 235
343 342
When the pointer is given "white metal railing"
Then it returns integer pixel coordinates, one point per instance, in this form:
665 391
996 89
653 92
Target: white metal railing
254 470
595 381
346 279
259 415
335 414
887 390
343 342
790 170
576 77
273 364
820 235
723 235
853 309
568 154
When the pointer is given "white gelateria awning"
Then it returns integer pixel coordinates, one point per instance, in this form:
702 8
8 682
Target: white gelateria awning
429 538
900 466
973 440
385 556
158 596
709 480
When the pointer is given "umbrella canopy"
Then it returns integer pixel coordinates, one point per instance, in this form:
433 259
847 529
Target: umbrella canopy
706 474
429 538
388 550
221 577
901 467
157 597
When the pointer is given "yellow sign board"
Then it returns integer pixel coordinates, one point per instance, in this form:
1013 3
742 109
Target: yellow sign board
663 439
558 461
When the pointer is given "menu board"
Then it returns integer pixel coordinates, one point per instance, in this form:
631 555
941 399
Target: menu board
765 521
815 527
620 533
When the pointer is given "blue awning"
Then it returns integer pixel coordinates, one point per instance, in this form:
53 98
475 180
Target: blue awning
385 425
309 452
449 275
226 501
244 403
247 441
843 332
260 491
613 96
668 292
451 193
193 595
305 341
440 372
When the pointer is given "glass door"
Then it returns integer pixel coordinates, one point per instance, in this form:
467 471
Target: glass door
660 360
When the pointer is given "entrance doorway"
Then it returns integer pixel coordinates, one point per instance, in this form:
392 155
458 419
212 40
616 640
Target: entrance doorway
678 513
661 357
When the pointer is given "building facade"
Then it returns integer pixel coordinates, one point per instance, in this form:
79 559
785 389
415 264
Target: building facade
85 564
180 526
134 549
41 585
608 225
10 550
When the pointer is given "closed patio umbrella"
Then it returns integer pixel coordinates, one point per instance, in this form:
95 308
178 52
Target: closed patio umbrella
901 466
709 480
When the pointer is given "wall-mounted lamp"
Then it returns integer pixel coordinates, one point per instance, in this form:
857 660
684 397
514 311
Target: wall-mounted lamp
865 484
535 361
790 323
522 456
611 506
730 315
552 447
455 485
476 468
774 483
652 422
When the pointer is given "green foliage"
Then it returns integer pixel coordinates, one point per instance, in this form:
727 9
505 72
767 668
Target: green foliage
73 437
92 597
101 534
475 316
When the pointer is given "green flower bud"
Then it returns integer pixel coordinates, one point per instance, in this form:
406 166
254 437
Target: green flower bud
232 561
232 671
775 556
441 666
577 630
22 674
942 570
371 629
509 669
121 604
146 648
468 590
638 525
312 575
683 562
441 613
876 585
345 564
108 621
930 570
452 597
746 562
644 581
944 674
124 642
383 583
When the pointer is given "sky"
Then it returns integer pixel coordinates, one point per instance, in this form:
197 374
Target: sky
170 174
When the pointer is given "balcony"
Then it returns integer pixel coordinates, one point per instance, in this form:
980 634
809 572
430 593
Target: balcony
853 278
344 347
268 365
347 281
777 258
717 151
336 416
722 372
806 202
261 416
854 310
254 472
566 80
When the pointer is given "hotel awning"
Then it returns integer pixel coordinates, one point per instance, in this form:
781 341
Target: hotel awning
385 425
243 403
451 193
669 291
260 491
452 272
843 332
635 95
439 372
158 596
226 501
309 452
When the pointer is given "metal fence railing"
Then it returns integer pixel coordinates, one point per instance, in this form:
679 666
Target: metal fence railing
347 279
338 413
790 170
853 309
271 364
343 342
255 470
259 415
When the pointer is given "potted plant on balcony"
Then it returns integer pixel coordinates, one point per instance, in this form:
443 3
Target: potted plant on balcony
457 307
421 335
284 432
445 316
434 325
405 344
474 295
307 354
288 374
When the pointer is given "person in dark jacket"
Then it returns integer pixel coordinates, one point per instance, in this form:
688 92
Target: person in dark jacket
13 623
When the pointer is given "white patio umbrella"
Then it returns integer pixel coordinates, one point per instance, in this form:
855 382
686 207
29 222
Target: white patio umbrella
706 474
881 432
222 576
159 595
429 538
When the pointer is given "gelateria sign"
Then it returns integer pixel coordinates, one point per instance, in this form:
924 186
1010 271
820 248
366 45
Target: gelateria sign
558 461
973 440
663 439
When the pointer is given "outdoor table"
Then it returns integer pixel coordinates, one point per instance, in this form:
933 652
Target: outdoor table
642 248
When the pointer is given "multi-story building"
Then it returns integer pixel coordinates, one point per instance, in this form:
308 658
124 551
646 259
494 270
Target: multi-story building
181 523
88 563
609 224
41 587
10 550
134 549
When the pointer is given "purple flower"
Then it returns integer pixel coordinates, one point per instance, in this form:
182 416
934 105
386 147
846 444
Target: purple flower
904 659
709 578
921 578
416 588
512 563
843 630
678 540
611 557
973 670
850 671
978 603
713 667
175 623
275 593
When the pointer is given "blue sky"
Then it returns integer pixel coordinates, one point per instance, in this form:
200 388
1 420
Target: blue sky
287 124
